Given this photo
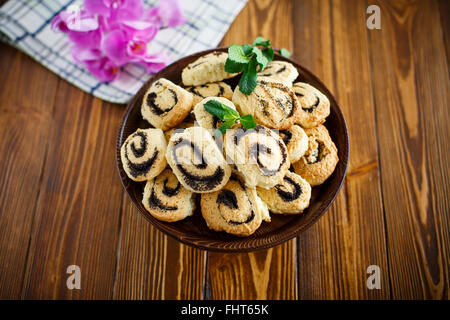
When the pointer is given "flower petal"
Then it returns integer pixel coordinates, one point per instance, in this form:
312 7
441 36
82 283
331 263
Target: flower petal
90 39
96 7
104 69
170 13
82 54
58 24
130 10
114 46
155 62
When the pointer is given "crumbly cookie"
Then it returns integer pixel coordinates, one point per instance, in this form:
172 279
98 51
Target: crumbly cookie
165 104
280 71
291 196
206 69
206 119
235 209
272 104
197 161
166 199
315 105
215 89
296 142
187 123
260 155
320 159
143 154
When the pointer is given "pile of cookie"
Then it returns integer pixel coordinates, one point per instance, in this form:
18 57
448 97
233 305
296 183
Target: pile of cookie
244 175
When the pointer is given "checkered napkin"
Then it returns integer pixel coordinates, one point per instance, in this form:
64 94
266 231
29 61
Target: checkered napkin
25 24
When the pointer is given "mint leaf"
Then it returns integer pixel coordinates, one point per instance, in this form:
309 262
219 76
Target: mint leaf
247 48
225 126
237 55
260 41
248 80
285 53
233 67
220 110
215 108
248 121
268 53
247 58
261 60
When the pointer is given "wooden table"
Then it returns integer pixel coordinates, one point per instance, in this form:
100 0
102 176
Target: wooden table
61 201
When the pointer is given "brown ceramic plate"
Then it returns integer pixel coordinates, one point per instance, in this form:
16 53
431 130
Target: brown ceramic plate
193 230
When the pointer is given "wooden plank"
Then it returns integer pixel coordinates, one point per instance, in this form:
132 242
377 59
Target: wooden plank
26 101
152 265
412 96
78 211
264 274
267 274
444 9
335 253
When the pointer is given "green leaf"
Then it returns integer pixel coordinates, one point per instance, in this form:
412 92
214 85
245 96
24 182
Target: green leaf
285 53
225 126
247 48
220 110
261 60
237 55
233 67
248 121
248 80
260 41
268 53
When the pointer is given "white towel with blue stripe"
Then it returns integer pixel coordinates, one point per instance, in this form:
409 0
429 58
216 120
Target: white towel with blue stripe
25 24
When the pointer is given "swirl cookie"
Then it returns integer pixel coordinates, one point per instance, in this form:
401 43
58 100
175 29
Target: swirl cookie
260 155
143 154
165 104
291 196
315 105
166 199
296 142
279 71
187 123
216 89
206 69
197 161
272 104
206 119
320 159
235 209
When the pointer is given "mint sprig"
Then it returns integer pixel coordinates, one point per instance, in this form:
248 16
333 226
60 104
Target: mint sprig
247 58
228 115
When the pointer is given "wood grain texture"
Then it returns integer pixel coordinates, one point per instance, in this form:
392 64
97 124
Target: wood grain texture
266 273
152 265
61 201
78 210
335 253
412 95
25 117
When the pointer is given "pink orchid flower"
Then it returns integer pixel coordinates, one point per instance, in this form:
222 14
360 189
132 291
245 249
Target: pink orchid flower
123 47
168 14
108 34
117 9
155 62
104 69
74 19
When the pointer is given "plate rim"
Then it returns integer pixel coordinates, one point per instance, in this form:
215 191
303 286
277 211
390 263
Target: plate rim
214 247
